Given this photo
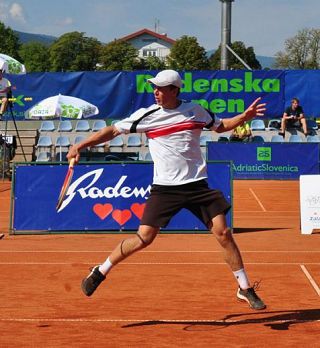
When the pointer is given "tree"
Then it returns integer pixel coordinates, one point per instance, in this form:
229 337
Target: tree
9 43
153 63
245 53
74 52
119 55
301 52
187 54
35 56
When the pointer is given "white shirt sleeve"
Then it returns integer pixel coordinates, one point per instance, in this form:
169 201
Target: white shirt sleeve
211 120
124 126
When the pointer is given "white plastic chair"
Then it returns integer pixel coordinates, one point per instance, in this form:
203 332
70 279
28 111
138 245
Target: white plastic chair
98 124
47 126
313 139
257 125
44 141
43 156
295 138
204 139
82 126
65 126
62 141
116 142
134 140
277 139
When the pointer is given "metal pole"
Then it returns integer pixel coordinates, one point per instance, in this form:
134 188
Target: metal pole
225 32
238 57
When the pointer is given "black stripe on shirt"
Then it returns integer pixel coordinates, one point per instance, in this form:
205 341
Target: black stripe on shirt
208 126
133 128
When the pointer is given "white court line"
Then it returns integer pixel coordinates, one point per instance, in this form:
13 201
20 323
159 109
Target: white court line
156 263
159 251
311 280
257 199
160 321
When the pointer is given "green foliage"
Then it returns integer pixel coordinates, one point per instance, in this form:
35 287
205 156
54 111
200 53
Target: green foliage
74 52
35 57
187 54
153 63
301 52
245 53
9 42
119 55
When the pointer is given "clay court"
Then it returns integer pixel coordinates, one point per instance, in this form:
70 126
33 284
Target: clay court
177 293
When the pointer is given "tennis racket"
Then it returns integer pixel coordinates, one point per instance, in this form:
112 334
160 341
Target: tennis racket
66 184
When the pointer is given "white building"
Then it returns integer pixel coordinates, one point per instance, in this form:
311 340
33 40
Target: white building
149 43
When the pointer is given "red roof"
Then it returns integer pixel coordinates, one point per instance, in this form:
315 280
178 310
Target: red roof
150 32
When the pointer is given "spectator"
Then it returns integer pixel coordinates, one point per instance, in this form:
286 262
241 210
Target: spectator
242 133
293 115
5 87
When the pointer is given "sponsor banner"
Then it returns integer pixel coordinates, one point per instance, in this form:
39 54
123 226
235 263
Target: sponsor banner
226 93
310 203
118 94
101 197
305 85
267 160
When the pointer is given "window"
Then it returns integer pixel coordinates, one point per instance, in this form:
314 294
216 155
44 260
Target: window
149 53
150 40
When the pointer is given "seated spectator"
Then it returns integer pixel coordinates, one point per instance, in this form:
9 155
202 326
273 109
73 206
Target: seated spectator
241 133
4 90
293 115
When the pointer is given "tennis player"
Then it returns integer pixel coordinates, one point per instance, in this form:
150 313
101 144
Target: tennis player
173 128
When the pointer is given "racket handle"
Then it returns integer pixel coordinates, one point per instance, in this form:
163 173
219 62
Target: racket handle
72 162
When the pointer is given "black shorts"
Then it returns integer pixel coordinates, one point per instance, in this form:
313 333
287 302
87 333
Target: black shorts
293 123
166 201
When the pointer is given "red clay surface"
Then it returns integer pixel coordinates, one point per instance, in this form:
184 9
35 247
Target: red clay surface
177 293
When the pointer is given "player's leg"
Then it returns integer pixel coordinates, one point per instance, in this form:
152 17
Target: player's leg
163 203
143 238
233 258
224 236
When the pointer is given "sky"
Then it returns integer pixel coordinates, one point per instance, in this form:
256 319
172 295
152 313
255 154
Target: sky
262 24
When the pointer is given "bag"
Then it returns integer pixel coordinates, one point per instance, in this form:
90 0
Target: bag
275 124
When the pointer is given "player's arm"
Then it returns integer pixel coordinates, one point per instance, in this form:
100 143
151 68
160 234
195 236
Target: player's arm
103 135
255 109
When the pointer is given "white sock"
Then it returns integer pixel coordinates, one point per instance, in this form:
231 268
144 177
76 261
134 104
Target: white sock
242 279
105 267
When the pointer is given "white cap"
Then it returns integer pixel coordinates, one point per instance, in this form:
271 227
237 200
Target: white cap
166 78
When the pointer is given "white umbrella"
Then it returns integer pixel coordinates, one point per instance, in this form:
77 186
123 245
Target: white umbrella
61 106
11 65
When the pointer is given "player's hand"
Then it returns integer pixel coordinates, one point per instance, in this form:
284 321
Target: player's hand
255 109
73 153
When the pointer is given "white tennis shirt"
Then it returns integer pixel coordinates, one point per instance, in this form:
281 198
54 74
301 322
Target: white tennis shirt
174 140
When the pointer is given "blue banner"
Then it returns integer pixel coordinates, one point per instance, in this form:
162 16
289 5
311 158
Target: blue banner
267 160
305 85
226 93
118 94
101 197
